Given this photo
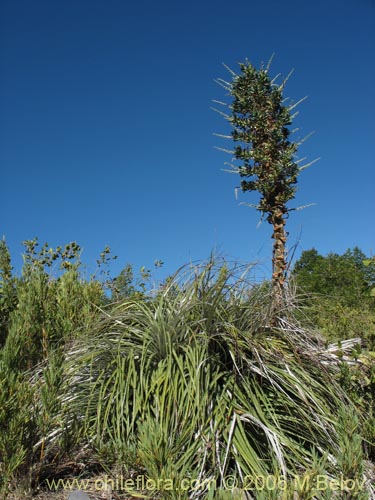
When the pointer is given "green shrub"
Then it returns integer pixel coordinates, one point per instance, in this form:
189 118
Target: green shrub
49 309
41 311
17 424
337 321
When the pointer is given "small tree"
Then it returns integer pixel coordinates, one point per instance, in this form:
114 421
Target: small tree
260 123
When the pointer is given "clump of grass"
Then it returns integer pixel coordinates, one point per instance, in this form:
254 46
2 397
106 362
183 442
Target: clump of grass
197 382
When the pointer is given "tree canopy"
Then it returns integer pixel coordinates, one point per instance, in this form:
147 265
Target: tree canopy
346 277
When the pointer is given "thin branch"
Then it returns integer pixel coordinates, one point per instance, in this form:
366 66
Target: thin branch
220 102
229 69
308 164
223 83
230 171
305 138
250 205
270 62
294 115
222 136
221 113
301 159
282 86
234 168
260 221
302 207
224 150
297 103
274 79
224 86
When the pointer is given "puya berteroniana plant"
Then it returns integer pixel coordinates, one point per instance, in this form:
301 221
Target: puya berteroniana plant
264 155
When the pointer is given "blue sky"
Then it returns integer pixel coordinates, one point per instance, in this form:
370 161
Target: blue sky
106 131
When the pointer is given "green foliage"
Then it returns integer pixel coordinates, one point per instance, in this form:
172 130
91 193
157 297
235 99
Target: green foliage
16 424
344 277
337 292
197 386
123 285
370 264
337 321
358 381
187 383
339 303
127 284
350 458
49 309
41 313
48 386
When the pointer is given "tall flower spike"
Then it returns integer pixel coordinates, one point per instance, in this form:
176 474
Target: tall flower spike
264 155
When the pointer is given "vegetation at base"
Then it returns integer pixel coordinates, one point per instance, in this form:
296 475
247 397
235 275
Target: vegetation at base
338 293
189 381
